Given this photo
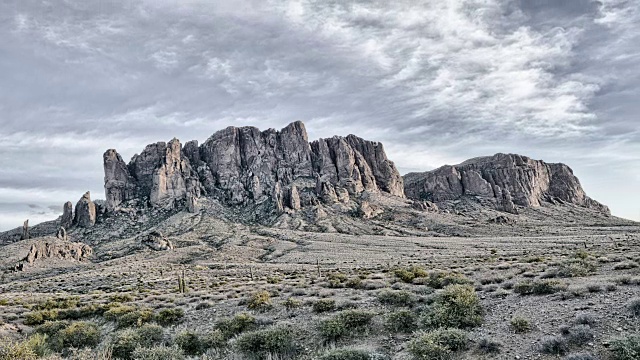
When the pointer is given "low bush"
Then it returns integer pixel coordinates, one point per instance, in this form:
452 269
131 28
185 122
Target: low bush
80 335
539 287
634 306
324 305
40 317
16 351
457 306
236 325
576 268
128 316
291 304
409 274
442 279
439 344
191 343
275 342
260 301
585 319
396 297
166 317
520 325
125 341
489 346
580 334
402 321
626 348
158 353
346 322
554 345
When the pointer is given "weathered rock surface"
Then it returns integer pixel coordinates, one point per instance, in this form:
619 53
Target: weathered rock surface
85 215
156 241
242 166
62 233
58 250
506 179
25 230
67 215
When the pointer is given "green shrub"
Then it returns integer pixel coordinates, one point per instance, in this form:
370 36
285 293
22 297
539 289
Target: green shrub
634 306
489 346
409 274
346 354
324 305
346 322
626 348
396 298
166 317
580 334
576 268
539 287
458 306
554 345
191 343
291 304
126 341
402 321
127 316
336 280
520 325
16 351
260 301
158 353
80 335
57 303
439 344
40 317
270 343
215 340
121 298
442 279
236 325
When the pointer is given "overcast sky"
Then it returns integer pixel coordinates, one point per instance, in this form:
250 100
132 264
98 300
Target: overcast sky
437 81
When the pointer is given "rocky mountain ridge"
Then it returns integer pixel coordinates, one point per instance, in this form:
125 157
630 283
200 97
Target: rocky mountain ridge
242 166
503 180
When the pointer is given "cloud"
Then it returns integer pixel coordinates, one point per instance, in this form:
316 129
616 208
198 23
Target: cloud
437 82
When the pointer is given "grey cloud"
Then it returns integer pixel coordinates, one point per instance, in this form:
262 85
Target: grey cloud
438 82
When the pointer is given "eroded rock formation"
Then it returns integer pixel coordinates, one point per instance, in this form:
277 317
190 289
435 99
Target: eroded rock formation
241 166
505 179
67 215
85 215
156 241
57 250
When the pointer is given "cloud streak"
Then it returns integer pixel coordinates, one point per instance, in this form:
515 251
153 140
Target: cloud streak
438 82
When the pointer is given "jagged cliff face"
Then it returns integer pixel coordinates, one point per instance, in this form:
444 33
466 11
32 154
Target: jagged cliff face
242 166
505 179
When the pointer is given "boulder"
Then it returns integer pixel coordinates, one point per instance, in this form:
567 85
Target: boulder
156 241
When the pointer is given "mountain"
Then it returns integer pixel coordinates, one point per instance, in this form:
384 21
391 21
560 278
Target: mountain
502 181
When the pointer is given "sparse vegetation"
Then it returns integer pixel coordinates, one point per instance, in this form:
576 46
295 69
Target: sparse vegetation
268 343
324 305
626 348
260 300
346 322
457 306
554 345
439 344
520 325
401 321
539 287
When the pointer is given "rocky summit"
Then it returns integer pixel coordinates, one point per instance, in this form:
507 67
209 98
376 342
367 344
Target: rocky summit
245 166
502 181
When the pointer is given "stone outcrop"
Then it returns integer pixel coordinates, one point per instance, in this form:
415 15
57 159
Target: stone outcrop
242 166
62 233
25 230
67 215
506 180
57 250
85 215
156 241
